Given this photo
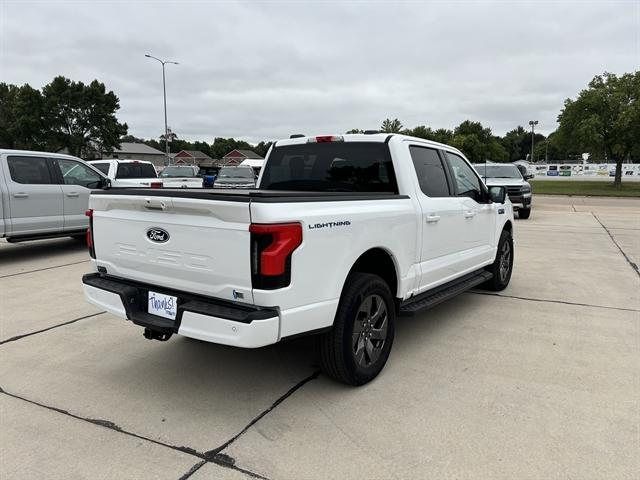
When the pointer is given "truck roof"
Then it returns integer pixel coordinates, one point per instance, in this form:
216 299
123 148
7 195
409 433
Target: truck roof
362 137
119 160
36 152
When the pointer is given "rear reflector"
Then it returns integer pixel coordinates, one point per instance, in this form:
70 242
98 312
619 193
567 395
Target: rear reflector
90 246
155 184
326 139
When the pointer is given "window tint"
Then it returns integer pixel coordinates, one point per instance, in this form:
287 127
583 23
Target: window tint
136 170
430 171
29 170
103 167
76 173
466 180
331 167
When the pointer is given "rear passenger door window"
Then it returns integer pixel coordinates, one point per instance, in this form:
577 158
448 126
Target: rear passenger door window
29 170
466 181
430 171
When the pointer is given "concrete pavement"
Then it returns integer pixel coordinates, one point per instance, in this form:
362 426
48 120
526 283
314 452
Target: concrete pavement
540 381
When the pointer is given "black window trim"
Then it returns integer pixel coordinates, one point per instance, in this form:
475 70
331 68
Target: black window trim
445 167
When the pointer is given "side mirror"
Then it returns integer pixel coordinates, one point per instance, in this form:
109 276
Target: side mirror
529 176
498 194
106 183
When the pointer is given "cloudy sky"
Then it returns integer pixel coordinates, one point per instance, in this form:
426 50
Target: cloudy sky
264 70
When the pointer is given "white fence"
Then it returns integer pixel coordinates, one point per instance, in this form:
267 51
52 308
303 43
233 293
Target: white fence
583 170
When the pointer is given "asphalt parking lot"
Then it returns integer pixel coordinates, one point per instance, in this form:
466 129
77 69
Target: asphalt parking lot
540 381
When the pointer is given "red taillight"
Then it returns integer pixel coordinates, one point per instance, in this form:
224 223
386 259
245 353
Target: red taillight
155 184
92 250
326 139
285 238
271 249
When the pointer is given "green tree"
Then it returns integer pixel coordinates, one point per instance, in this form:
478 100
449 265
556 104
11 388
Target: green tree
421 131
478 143
222 146
605 117
262 148
22 122
81 118
391 126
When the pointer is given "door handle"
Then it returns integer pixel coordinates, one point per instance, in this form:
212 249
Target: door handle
73 194
433 218
470 213
20 195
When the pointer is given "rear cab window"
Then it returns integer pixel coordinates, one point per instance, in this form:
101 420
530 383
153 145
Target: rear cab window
331 167
135 170
30 170
102 166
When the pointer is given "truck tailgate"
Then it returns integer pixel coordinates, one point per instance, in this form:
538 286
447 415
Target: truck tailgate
189 244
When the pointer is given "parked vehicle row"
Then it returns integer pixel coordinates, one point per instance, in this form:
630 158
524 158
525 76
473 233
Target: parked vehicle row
45 195
343 234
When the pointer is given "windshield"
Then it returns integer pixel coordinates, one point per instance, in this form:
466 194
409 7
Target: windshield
103 167
174 172
236 172
498 171
331 167
136 170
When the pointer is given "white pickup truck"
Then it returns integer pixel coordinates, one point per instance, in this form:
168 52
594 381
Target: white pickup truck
342 235
129 173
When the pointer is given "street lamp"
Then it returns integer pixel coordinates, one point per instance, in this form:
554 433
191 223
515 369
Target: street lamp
533 124
164 90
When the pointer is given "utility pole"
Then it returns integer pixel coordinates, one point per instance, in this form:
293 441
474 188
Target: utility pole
533 124
546 151
164 92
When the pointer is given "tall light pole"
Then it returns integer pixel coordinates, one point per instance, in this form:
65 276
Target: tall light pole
533 124
164 91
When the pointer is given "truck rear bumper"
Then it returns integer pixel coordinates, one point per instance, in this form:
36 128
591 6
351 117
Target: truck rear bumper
204 318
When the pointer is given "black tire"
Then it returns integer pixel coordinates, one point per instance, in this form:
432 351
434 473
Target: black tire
501 277
356 349
524 213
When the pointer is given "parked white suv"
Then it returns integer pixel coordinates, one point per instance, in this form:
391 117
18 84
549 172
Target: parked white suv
45 195
129 173
343 234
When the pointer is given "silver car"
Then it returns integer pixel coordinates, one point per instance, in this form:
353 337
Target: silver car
235 177
45 195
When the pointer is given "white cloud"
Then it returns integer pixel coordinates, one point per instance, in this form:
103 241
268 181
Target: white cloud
264 70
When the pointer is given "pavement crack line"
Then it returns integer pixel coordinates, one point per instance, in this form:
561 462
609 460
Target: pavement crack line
43 269
216 451
626 257
193 470
112 426
542 300
18 337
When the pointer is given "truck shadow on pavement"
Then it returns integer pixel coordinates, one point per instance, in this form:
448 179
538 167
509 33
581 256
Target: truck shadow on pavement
51 250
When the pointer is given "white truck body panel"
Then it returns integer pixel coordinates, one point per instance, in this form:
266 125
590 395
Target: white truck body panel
209 247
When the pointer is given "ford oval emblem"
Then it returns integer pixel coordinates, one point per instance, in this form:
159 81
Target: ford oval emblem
158 235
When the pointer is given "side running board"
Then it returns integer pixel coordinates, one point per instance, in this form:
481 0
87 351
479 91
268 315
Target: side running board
433 297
